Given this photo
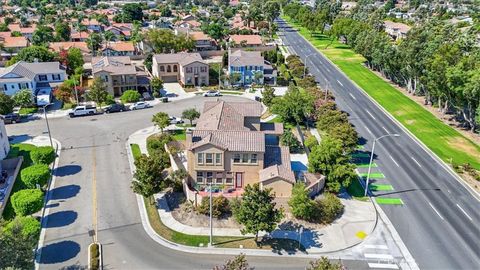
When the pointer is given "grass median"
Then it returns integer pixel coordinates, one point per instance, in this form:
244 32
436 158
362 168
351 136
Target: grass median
449 144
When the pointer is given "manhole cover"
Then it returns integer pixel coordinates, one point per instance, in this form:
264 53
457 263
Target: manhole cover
94 119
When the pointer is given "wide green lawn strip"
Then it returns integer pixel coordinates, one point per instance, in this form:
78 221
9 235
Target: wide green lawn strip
365 165
392 201
372 175
355 189
135 150
179 134
449 144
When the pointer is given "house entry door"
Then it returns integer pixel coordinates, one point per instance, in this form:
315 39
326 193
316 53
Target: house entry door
238 180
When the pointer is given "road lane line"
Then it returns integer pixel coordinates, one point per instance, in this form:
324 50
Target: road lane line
435 211
94 192
384 247
416 162
368 130
339 82
394 161
386 130
352 96
465 213
371 115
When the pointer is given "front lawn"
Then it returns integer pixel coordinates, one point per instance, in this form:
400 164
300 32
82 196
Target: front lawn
179 134
135 150
449 144
27 111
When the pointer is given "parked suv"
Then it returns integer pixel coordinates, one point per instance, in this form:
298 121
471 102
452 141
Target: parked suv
11 118
117 107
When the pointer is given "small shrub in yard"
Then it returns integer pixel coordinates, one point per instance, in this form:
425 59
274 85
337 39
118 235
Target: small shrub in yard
301 205
310 142
43 155
28 226
27 201
329 208
220 206
289 139
130 96
94 257
35 174
157 142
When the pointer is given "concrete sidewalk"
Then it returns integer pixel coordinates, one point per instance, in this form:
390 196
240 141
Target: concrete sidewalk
357 221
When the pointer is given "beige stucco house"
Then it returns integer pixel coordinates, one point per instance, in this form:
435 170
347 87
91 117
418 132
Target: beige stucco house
230 148
185 68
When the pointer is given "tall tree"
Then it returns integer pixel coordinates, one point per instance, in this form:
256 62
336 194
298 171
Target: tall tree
43 35
62 31
98 91
148 175
6 104
256 210
161 120
191 114
94 42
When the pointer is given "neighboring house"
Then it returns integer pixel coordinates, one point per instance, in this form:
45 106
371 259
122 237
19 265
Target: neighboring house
12 45
120 48
119 74
121 30
80 36
93 25
26 32
4 143
33 76
248 64
238 41
230 149
185 68
60 46
396 30
203 42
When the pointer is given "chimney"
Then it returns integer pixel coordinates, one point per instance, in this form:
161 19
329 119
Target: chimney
188 140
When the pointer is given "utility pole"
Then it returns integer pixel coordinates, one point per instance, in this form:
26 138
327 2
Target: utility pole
211 224
48 126
371 159
75 87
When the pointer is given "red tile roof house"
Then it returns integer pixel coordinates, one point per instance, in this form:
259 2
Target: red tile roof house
230 149
238 41
12 45
60 46
203 42
80 36
120 48
121 29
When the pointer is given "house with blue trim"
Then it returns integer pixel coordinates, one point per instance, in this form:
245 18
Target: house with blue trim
251 67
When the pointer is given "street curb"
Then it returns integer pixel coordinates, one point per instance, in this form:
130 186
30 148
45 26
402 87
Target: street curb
473 192
219 251
46 210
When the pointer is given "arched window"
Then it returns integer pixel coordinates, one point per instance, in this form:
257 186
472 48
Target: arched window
175 68
169 68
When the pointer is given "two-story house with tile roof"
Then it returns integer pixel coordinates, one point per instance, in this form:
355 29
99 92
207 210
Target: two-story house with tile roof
251 67
33 76
185 68
230 148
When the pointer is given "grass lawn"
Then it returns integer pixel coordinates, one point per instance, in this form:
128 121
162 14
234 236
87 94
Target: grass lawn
27 111
372 175
135 150
232 92
179 134
278 119
449 144
219 241
356 191
16 150
391 201
365 165
68 106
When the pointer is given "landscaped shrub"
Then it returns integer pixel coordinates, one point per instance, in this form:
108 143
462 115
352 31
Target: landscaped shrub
27 226
301 205
27 201
43 155
310 142
94 257
288 139
35 174
157 142
329 208
220 206
130 96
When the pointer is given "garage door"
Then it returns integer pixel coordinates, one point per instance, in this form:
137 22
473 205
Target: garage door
169 79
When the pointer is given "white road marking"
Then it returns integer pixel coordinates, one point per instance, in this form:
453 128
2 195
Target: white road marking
353 96
449 191
368 130
416 162
378 256
384 247
383 265
394 161
371 115
339 82
465 213
435 211
386 130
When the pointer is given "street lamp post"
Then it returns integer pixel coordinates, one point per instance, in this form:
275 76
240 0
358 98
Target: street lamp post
371 158
305 64
48 126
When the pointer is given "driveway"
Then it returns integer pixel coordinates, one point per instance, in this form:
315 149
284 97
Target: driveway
177 90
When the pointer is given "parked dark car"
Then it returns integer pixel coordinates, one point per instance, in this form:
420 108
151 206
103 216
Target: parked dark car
147 96
11 118
117 107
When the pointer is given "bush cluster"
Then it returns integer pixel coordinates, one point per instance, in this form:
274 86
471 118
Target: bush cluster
130 96
220 206
27 201
28 226
35 174
43 155
157 142
289 139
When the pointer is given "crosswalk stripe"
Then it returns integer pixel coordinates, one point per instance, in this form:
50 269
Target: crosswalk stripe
376 246
383 265
378 256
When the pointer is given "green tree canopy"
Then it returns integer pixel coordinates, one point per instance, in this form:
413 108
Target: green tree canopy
98 91
31 54
6 104
23 98
191 114
161 120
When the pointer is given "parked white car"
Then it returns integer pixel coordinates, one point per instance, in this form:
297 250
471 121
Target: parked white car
212 93
83 110
139 105
175 120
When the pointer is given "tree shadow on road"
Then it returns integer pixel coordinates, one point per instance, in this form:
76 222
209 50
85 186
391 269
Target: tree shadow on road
67 170
60 219
65 192
59 252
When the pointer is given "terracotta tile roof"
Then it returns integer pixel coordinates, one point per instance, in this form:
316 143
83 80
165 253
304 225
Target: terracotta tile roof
249 39
181 58
245 108
5 34
277 164
59 46
79 35
14 27
15 42
121 46
198 35
231 140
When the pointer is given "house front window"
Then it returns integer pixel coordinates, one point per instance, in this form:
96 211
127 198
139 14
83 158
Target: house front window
189 70
175 68
169 68
244 158
200 177
229 178
209 158
189 80
200 158
253 158
236 158
218 159
42 77
162 68
209 177
219 178
203 69
56 77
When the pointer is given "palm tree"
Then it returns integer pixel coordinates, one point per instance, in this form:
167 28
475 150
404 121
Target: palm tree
108 36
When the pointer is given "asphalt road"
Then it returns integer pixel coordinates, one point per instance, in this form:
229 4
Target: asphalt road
439 222
93 154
